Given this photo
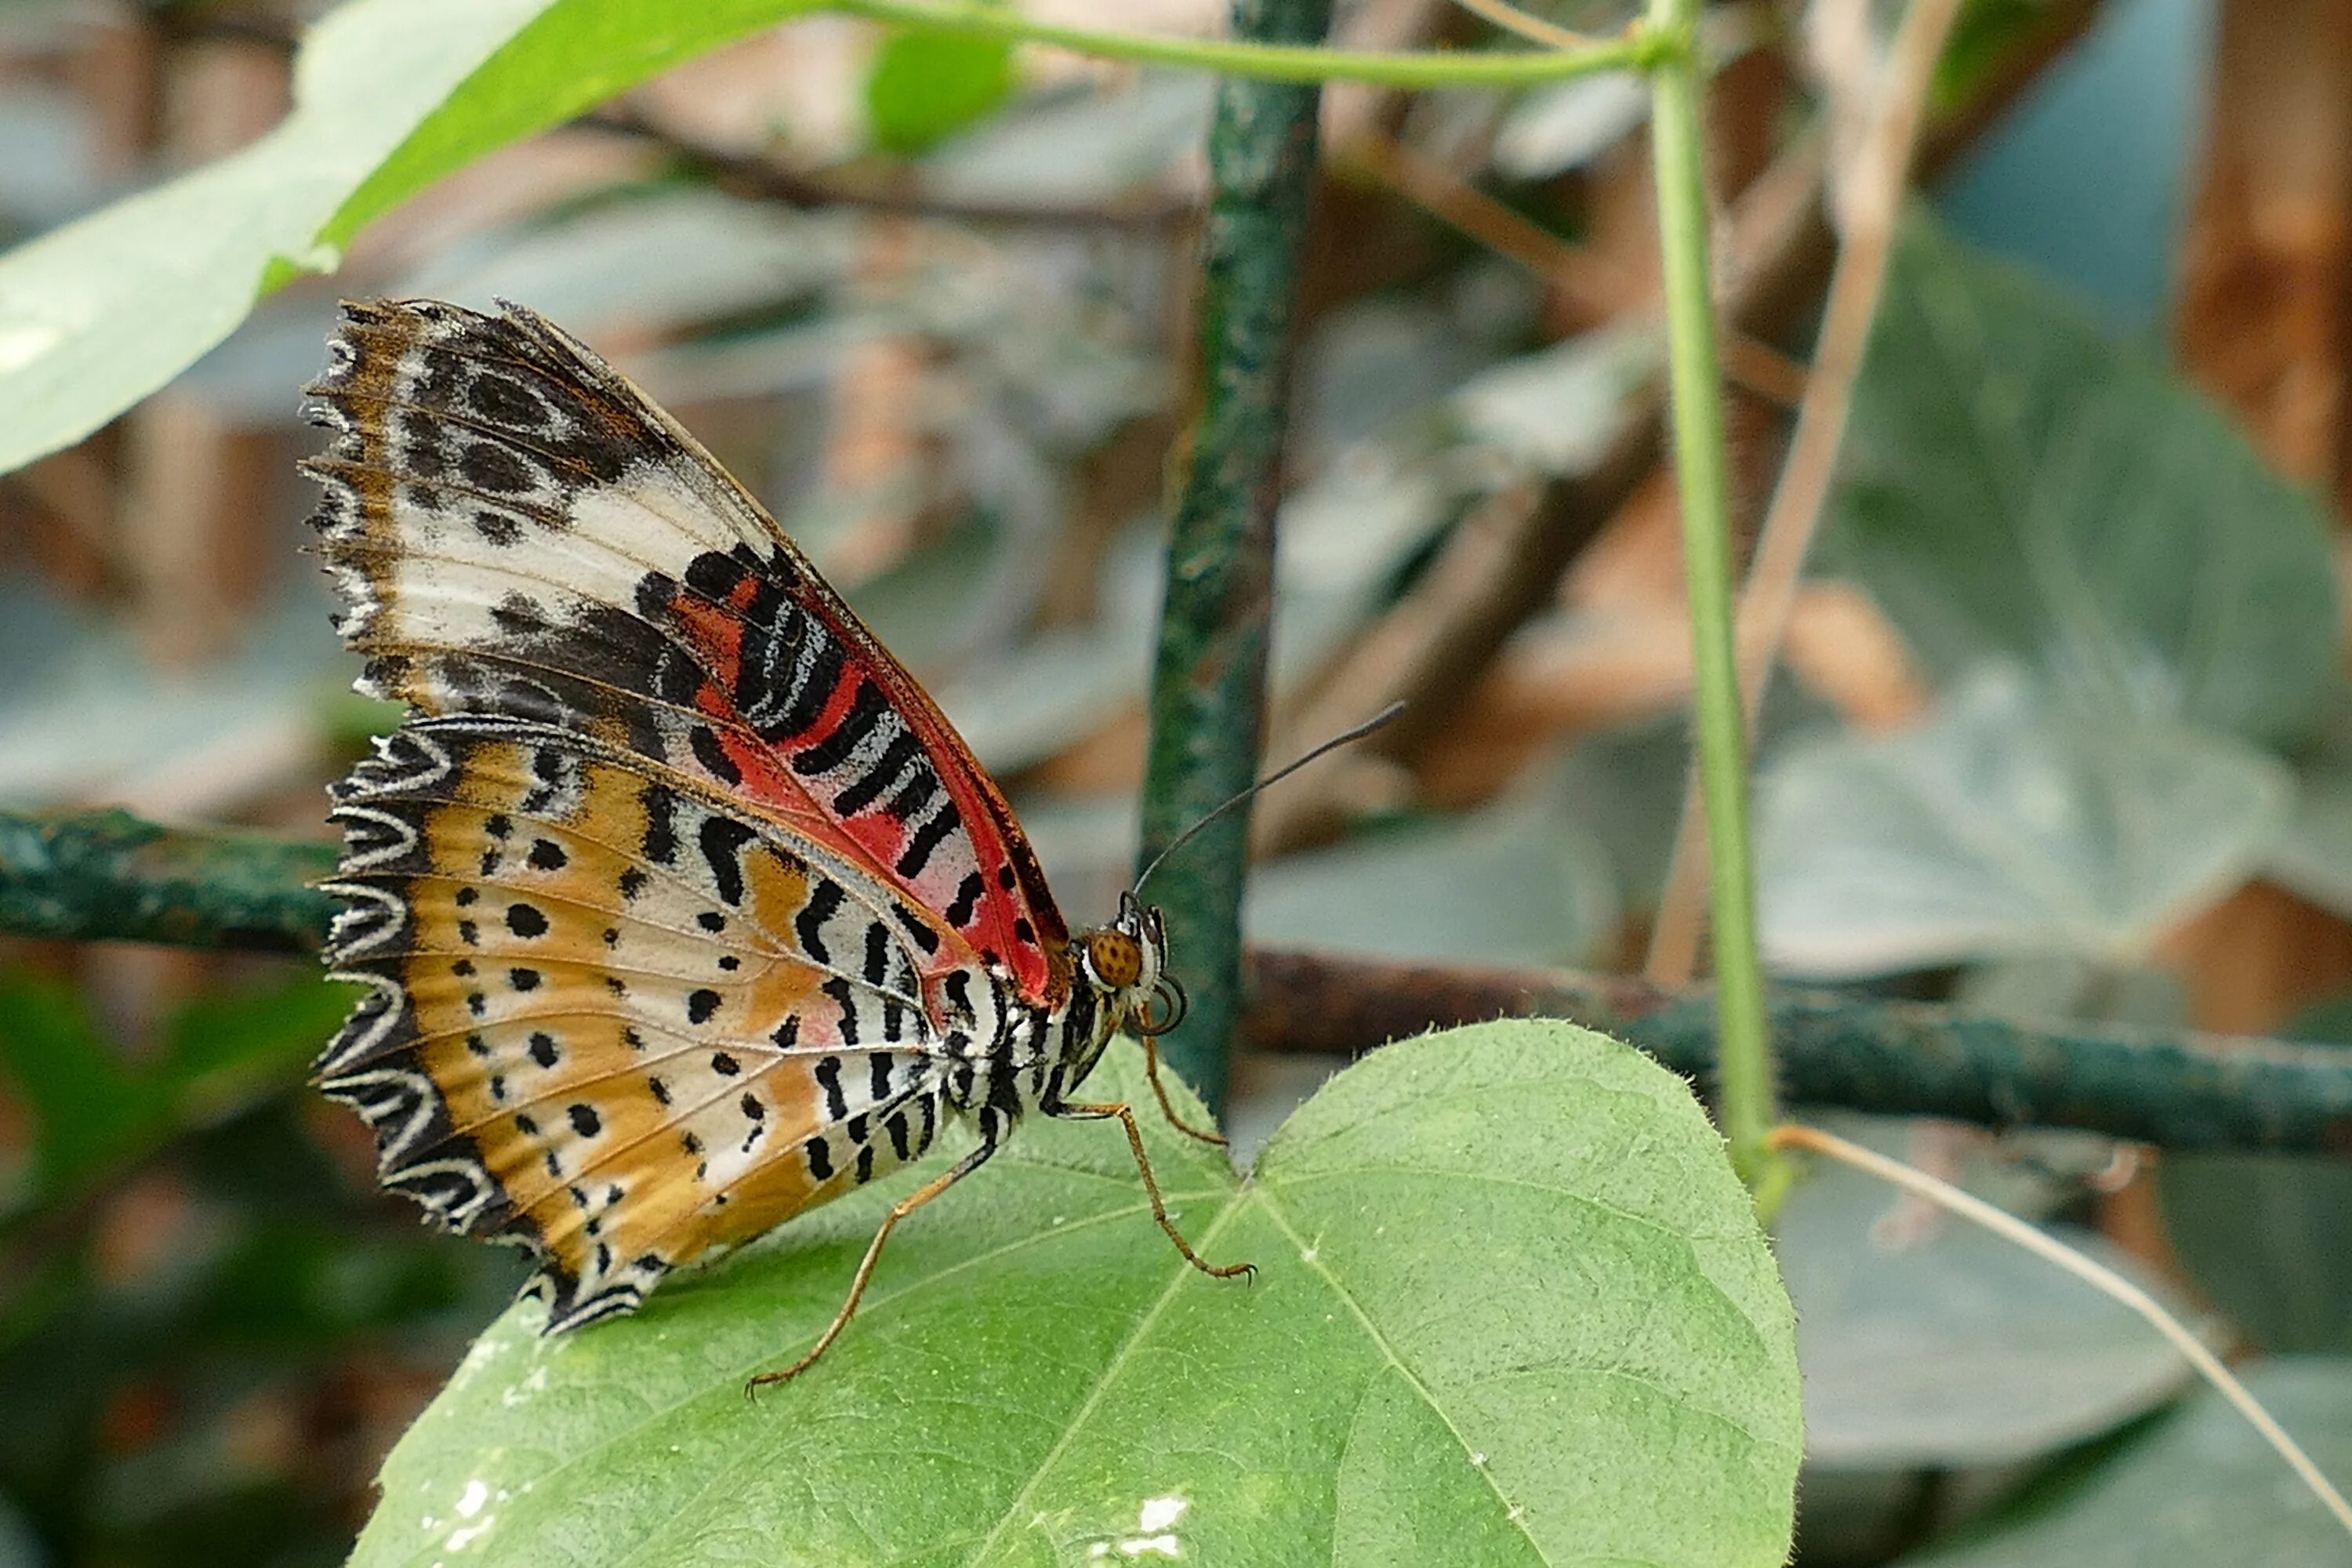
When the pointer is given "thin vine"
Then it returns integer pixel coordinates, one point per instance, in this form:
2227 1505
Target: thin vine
1677 151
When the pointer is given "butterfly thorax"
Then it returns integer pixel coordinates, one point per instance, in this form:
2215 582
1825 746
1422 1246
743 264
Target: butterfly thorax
1004 1055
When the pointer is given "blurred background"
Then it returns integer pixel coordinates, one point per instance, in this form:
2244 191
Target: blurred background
2061 728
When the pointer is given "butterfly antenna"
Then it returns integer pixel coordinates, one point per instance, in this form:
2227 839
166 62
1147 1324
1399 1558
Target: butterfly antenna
1276 777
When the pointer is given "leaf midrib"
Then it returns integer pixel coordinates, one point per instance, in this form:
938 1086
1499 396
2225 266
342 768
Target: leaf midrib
1254 1193
657 1413
1306 1255
1234 1202
1688 1242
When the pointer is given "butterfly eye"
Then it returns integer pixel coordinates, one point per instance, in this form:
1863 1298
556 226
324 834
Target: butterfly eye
1116 958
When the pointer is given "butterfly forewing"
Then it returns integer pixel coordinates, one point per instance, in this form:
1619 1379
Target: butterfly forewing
665 895
518 532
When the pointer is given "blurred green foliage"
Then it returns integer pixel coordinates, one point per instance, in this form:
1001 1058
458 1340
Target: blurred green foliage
207 1319
926 87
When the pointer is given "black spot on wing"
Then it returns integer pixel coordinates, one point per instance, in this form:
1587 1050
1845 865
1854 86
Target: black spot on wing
928 837
807 693
844 995
828 1078
661 825
496 468
808 924
506 401
917 930
721 840
866 710
959 908
917 793
867 787
708 748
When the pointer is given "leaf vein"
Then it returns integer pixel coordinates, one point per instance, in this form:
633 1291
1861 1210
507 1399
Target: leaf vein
1379 1341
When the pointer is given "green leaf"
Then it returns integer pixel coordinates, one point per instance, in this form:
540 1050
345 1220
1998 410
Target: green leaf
1512 1308
2017 487
224 1046
2202 1488
2004 826
88 1112
571 56
390 95
92 1114
1985 37
926 87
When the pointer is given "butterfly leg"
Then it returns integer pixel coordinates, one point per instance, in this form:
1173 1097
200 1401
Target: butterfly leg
1125 1114
1159 1093
899 1211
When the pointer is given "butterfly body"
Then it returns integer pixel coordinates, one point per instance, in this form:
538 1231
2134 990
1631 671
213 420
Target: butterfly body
681 908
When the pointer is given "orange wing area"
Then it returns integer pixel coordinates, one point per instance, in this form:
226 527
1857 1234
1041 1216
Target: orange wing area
614 1019
519 532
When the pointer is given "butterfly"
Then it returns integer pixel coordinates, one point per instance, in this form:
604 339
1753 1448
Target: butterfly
680 908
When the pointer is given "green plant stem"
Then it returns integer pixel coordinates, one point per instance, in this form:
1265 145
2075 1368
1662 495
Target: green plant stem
104 876
1256 57
1678 153
1208 685
108 876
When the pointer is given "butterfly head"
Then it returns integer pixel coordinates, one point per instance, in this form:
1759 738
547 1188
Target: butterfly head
1125 964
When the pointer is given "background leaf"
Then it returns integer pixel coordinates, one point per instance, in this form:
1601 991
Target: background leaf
1511 885
926 87
1930 1343
89 1111
2313 852
2002 825
1512 1308
2021 487
2201 1489
390 95
92 1114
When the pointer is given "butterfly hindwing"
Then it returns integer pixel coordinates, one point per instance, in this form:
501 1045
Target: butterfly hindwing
611 1017
520 533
